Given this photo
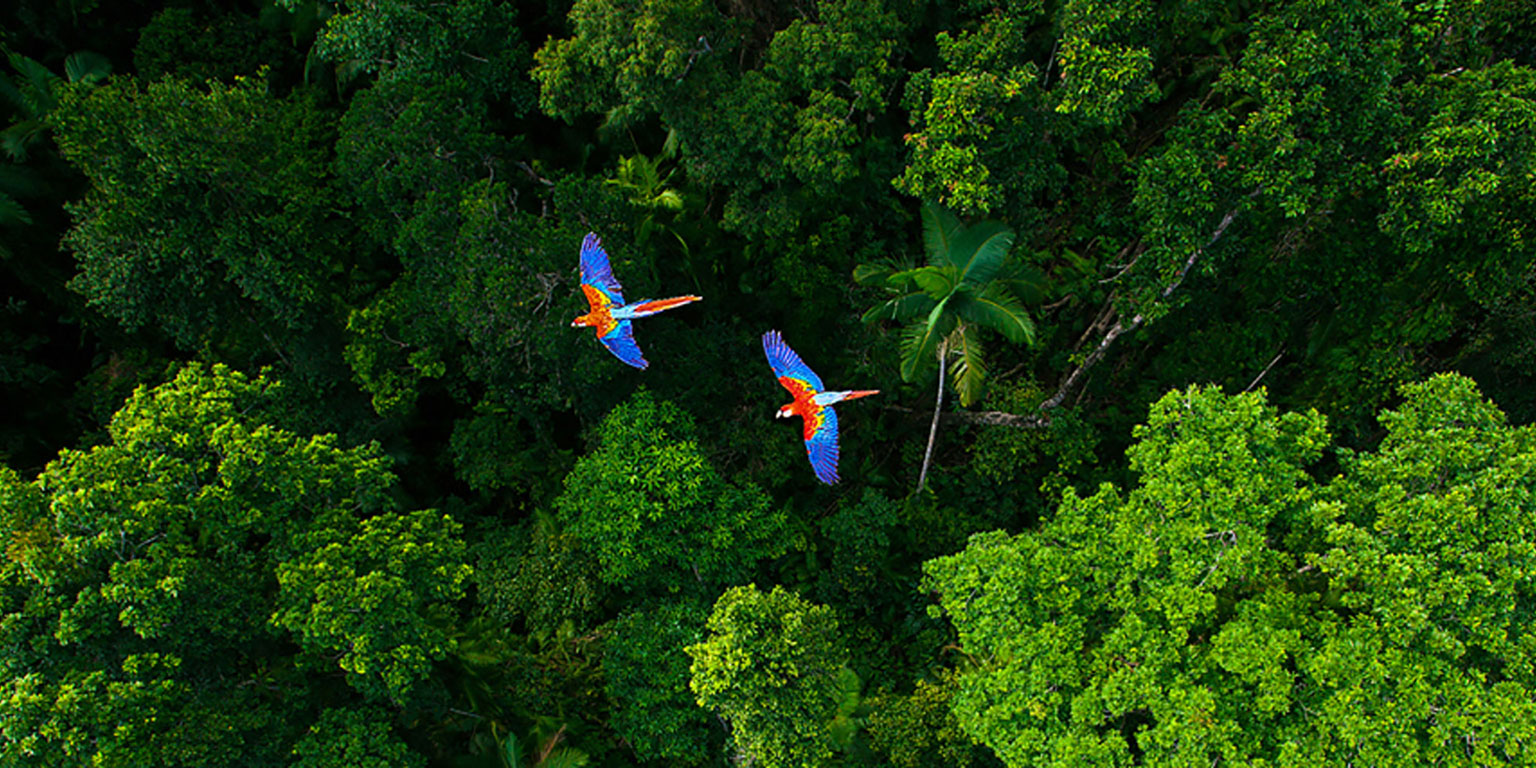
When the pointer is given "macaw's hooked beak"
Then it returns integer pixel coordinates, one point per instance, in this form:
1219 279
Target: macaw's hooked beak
783 413
576 323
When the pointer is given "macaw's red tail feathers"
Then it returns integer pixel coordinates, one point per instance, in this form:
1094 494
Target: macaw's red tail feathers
646 308
858 393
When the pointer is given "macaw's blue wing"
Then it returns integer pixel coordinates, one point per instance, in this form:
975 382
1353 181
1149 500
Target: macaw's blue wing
786 363
596 272
621 342
822 446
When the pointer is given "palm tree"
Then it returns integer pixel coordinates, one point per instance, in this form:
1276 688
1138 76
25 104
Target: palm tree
963 289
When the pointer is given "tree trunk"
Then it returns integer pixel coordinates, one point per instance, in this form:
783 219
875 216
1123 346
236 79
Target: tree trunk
933 429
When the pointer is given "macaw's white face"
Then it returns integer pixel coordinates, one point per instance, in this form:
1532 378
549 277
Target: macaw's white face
783 413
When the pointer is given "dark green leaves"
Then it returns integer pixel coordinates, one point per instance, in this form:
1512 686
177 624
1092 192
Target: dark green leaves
655 513
208 213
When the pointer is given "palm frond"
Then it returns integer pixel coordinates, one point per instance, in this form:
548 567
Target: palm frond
921 345
901 308
937 282
998 309
20 136
87 67
873 275
565 757
36 87
511 752
11 212
981 251
1026 282
939 229
968 369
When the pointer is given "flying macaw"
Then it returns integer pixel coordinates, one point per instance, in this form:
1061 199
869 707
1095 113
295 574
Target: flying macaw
811 404
607 313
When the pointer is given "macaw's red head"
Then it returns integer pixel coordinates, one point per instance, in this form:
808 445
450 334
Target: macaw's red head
785 412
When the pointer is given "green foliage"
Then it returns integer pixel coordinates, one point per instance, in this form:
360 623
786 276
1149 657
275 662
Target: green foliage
189 44
27 100
1325 199
771 667
1432 534
859 537
645 674
476 308
208 213
1062 449
354 738
420 42
136 614
1464 184
1227 608
654 512
380 588
407 149
918 729
966 285
778 138
1106 67
539 574
975 145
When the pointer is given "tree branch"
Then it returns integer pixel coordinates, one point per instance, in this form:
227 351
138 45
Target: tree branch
1258 378
984 418
1121 326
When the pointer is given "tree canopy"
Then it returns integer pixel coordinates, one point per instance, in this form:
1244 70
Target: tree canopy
1201 331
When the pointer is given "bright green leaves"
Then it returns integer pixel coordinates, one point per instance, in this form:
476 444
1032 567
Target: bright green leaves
1106 68
771 666
1227 608
208 213
1434 535
1106 612
978 141
654 512
379 589
1465 183
153 577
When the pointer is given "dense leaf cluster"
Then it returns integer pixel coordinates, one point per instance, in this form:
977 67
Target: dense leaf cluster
1176 312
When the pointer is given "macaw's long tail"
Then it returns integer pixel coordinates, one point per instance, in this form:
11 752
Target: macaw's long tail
858 393
649 307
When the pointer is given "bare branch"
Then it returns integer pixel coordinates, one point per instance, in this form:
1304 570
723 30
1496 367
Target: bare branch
1259 377
1121 326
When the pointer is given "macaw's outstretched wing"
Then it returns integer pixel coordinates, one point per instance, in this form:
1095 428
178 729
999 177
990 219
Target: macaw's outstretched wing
821 443
596 273
788 365
621 342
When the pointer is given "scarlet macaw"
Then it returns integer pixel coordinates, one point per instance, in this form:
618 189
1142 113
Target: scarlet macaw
607 313
811 404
